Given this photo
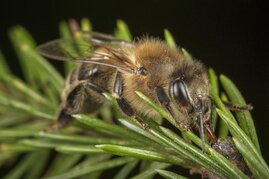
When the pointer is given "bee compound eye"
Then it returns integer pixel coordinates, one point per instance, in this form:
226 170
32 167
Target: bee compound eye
180 93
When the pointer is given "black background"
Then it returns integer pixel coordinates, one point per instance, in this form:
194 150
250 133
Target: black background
226 35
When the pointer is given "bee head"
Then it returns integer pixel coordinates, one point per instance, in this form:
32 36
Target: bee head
189 90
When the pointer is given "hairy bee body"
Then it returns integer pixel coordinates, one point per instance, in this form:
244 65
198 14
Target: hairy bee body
148 65
162 64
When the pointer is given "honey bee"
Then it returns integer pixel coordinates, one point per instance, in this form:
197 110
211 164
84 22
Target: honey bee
148 65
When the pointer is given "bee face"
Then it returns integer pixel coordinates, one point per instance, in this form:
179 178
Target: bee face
189 90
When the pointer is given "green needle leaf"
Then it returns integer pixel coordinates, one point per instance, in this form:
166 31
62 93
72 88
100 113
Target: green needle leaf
25 90
126 170
170 175
159 109
258 171
22 167
129 124
141 154
5 156
15 148
86 25
218 158
80 149
214 88
38 72
24 107
15 133
81 139
186 54
40 143
65 33
188 150
244 117
64 30
239 134
223 128
62 163
214 85
77 172
36 170
4 69
212 162
122 31
111 129
151 171
169 39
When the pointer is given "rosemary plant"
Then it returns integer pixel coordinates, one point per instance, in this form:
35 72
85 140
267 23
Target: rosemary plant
95 144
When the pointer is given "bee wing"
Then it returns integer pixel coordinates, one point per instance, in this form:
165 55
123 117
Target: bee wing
99 49
105 37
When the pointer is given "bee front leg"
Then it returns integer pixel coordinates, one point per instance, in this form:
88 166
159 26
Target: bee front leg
117 92
237 107
164 100
123 103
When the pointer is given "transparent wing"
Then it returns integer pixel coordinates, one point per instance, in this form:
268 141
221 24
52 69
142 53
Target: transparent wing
93 48
105 37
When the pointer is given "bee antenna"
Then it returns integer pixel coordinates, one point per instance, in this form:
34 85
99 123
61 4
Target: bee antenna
202 131
212 109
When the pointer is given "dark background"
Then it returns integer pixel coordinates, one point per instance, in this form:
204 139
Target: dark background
226 35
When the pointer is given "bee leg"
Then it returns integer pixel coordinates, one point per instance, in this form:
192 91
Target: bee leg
206 127
209 124
123 103
237 107
213 116
202 131
74 103
164 100
117 92
212 136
